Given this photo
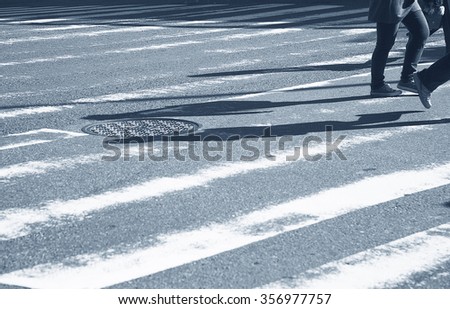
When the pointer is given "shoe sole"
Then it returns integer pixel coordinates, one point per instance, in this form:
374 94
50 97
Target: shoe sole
407 89
385 95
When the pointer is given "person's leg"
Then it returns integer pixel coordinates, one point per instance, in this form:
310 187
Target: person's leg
437 74
446 26
386 34
430 79
417 26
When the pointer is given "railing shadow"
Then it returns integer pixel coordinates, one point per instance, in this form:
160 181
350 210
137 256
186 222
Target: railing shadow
228 13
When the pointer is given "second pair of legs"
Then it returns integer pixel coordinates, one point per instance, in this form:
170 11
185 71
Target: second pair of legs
417 26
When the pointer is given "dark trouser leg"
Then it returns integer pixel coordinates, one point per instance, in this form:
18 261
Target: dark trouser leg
446 26
437 74
418 29
386 34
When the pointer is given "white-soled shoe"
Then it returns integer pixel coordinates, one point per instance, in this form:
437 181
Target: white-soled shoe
385 91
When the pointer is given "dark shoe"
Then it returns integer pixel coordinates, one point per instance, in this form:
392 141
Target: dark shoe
424 93
385 91
408 85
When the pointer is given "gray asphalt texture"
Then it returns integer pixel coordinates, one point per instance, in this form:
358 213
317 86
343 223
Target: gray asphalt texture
202 80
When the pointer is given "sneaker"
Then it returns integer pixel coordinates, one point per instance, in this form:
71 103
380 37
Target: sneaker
408 85
385 91
424 93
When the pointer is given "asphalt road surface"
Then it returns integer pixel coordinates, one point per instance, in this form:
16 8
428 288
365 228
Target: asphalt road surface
294 178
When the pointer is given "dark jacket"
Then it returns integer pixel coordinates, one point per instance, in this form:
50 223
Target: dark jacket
391 11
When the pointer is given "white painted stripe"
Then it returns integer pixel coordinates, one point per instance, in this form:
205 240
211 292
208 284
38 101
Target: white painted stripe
376 101
172 250
233 50
353 59
194 22
32 111
124 50
39 21
342 34
65 135
69 134
15 223
9 95
268 23
153 47
327 111
318 39
81 34
148 93
380 267
238 36
31 168
346 60
242 36
41 60
357 31
244 62
41 167
24 144
438 43
325 83
64 28
318 84
187 33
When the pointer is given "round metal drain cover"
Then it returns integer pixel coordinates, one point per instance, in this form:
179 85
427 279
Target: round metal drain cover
141 128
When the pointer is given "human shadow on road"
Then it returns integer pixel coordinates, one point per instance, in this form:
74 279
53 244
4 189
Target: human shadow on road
220 108
339 67
182 110
162 98
364 122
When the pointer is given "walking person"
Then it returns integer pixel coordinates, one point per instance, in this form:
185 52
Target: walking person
446 25
388 15
428 80
444 10
437 14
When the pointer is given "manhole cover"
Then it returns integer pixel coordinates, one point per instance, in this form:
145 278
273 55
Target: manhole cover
141 128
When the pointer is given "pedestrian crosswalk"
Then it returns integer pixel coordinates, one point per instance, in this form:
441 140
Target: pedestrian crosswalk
381 267
175 249
194 213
